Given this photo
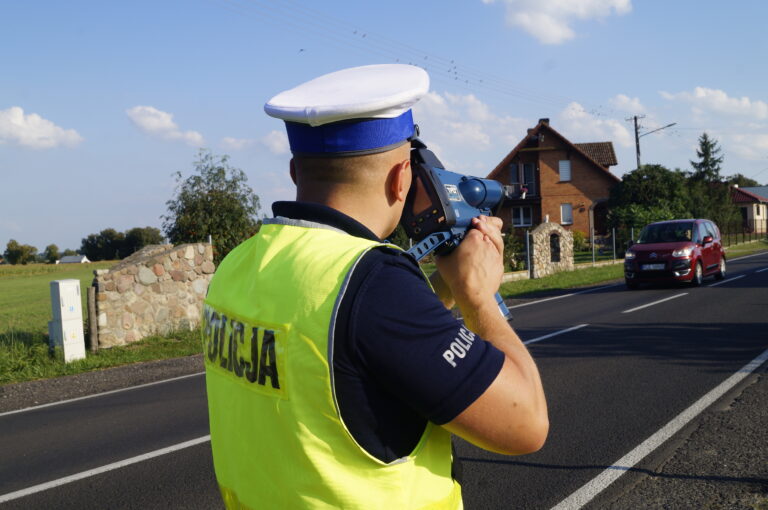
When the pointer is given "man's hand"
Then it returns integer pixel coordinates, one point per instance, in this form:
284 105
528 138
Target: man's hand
511 415
474 269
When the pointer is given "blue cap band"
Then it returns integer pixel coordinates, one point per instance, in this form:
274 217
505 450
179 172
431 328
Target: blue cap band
358 136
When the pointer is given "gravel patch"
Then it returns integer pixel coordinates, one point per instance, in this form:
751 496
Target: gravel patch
721 465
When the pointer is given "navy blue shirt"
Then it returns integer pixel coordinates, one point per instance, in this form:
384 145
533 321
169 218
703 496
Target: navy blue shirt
400 357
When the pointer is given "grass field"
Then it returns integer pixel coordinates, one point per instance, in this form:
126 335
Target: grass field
25 309
25 302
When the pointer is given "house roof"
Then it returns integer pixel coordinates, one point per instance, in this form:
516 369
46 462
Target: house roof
602 152
746 196
579 148
759 191
73 258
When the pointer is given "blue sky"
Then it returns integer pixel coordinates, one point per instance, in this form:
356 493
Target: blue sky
100 102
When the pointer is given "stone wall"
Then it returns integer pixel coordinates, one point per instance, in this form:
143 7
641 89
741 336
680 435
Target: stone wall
156 290
543 239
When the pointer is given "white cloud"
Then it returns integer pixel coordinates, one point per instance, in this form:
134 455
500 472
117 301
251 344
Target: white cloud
550 21
276 142
717 101
236 144
752 146
578 125
159 123
462 130
31 130
627 104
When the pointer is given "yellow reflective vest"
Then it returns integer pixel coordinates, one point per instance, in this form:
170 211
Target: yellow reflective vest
277 436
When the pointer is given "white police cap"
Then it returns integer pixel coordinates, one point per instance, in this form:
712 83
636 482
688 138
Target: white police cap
360 110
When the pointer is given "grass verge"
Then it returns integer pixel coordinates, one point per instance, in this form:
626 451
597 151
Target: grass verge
596 275
565 280
24 359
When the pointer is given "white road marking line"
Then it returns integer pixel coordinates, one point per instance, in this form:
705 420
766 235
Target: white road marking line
32 408
563 296
761 270
540 338
655 303
592 488
103 469
726 281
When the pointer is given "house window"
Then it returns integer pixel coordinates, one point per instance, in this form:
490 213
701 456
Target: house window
529 179
564 167
523 174
566 214
514 174
521 216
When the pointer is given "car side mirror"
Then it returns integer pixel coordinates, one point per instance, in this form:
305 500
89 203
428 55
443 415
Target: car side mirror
707 240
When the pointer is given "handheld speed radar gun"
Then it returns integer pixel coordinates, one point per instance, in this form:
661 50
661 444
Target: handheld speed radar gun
441 204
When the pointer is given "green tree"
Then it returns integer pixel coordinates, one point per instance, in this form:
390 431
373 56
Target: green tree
709 197
16 253
400 238
217 201
137 238
68 252
109 244
707 168
51 253
742 181
650 193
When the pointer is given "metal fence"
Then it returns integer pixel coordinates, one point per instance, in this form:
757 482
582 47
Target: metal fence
744 231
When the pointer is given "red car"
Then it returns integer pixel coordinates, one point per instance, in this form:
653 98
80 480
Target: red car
675 251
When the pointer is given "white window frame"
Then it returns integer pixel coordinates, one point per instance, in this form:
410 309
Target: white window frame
564 170
518 218
563 208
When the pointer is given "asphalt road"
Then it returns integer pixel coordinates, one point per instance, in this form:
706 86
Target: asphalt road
613 382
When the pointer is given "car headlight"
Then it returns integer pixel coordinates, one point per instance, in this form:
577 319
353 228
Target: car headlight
629 255
683 252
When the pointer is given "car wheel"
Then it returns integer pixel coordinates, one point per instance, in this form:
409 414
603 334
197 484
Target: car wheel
631 285
698 275
721 272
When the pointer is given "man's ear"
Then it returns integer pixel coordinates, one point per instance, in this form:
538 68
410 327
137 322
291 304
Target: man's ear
401 180
292 166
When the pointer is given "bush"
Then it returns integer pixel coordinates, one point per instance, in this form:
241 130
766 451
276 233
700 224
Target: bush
579 240
514 251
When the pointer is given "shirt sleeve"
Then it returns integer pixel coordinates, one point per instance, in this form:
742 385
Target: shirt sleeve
408 342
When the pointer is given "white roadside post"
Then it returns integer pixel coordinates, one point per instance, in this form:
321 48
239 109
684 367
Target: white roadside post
65 331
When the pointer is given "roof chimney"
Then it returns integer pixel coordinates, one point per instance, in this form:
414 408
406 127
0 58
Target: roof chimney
544 121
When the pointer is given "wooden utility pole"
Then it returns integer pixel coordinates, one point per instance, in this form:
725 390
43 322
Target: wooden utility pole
638 135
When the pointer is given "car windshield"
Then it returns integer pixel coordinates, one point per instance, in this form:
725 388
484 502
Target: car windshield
666 233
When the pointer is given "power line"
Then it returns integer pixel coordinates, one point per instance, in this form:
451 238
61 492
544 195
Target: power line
351 36
635 118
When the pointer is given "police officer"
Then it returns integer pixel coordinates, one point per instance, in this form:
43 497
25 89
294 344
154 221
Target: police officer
335 370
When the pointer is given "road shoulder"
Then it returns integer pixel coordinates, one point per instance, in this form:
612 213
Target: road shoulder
33 393
719 465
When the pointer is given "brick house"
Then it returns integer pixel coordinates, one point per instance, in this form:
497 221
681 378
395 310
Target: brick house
753 203
557 180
